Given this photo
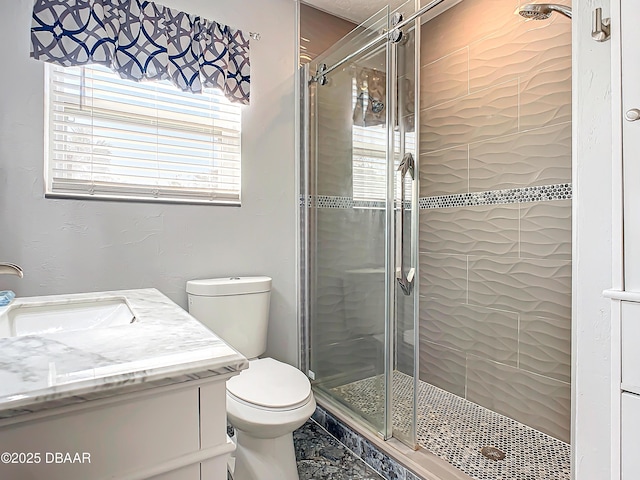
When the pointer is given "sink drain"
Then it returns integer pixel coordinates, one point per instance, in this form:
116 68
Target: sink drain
493 453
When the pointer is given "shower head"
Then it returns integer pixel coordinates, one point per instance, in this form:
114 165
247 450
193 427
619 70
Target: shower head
542 11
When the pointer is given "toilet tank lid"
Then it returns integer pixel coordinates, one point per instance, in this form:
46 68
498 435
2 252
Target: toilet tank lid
215 287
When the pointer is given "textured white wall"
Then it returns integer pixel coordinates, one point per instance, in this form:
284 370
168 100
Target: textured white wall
80 246
591 247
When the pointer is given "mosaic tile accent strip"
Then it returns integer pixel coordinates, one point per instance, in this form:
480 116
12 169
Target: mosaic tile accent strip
456 430
328 201
544 193
562 191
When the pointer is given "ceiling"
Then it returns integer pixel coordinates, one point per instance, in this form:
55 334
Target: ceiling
356 11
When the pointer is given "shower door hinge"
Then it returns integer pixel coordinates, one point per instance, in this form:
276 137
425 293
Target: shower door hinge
311 375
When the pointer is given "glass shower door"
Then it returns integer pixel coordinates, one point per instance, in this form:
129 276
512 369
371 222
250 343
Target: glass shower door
404 377
359 318
347 225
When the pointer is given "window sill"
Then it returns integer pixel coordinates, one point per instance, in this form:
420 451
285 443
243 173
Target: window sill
134 199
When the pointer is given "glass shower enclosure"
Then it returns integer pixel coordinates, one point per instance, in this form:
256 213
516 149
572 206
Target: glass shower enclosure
359 224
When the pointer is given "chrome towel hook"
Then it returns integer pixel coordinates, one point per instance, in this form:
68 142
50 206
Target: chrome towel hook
601 31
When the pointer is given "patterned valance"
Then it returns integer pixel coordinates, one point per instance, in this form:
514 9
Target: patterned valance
142 40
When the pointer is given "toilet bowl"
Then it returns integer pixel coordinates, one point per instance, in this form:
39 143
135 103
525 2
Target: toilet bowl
265 404
269 400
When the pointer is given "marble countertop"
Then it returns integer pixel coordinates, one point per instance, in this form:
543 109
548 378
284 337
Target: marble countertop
164 345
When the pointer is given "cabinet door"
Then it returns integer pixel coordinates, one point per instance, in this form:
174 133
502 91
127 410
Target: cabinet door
192 472
213 414
630 436
630 13
129 436
630 344
214 469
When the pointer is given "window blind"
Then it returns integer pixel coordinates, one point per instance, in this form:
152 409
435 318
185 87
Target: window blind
113 138
370 158
369 162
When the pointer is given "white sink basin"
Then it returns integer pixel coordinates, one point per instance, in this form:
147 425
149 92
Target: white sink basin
23 318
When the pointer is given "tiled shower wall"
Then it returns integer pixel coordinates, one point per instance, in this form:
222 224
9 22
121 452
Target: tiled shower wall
495 289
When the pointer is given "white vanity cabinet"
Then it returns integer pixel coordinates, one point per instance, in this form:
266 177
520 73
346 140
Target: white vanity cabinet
630 386
630 352
630 436
630 80
176 432
141 400
625 291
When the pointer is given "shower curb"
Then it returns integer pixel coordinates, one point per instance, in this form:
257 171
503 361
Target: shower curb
384 465
391 459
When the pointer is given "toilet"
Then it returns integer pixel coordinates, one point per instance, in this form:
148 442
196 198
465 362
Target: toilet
269 400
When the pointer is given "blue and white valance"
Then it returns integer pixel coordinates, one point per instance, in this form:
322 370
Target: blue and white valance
142 40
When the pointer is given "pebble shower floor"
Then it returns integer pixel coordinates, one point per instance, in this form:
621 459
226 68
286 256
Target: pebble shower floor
456 430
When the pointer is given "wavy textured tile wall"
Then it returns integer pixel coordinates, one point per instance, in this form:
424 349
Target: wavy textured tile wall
545 97
445 79
532 158
334 121
443 276
541 287
516 393
518 49
444 172
478 230
496 279
543 347
443 367
458 27
479 331
344 329
545 230
475 117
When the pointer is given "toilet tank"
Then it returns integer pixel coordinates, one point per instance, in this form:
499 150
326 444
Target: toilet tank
234 308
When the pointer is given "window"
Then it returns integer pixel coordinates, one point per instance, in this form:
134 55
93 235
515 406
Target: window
370 162
370 157
116 139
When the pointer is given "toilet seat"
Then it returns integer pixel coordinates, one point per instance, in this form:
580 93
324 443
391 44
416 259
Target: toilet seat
270 385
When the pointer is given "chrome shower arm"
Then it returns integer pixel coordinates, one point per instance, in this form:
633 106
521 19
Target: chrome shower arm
566 11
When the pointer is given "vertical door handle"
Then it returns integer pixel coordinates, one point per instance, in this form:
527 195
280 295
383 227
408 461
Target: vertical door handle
407 165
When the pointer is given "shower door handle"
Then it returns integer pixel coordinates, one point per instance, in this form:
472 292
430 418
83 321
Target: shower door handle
407 165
